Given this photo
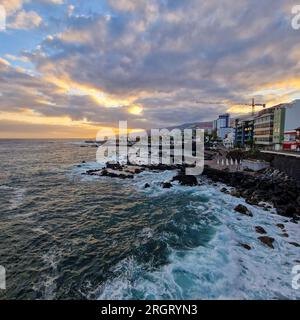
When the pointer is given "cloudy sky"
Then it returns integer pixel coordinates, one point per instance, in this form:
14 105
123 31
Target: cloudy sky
70 67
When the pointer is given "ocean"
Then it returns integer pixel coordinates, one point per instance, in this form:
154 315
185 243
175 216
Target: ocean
65 235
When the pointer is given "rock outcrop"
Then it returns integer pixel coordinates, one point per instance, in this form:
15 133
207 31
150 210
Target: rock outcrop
262 188
185 180
260 230
243 210
268 241
166 185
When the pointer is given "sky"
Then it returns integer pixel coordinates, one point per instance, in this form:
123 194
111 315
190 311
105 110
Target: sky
71 67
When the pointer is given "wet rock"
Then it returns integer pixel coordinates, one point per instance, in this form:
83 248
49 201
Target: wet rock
285 235
83 162
162 167
280 225
115 174
137 171
267 188
246 246
167 185
185 180
224 190
265 205
114 166
252 201
236 193
243 210
133 169
268 241
290 211
294 221
260 230
146 186
93 172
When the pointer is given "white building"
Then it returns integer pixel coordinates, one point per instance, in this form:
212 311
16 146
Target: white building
228 142
292 115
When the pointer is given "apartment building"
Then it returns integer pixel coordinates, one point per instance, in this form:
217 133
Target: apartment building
222 126
263 128
244 132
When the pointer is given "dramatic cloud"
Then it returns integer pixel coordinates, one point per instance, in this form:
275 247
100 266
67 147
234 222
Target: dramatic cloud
155 63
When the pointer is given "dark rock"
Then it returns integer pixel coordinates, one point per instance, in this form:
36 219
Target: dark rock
285 235
265 205
246 246
185 180
167 185
106 173
260 230
162 167
235 193
93 172
114 166
83 162
147 185
224 190
280 225
269 185
290 211
252 201
268 241
243 210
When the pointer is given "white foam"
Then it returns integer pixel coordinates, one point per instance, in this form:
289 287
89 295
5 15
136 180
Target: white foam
221 270
47 284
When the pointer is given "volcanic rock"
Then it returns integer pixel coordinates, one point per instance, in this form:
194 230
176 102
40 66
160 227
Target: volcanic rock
260 230
186 180
268 241
243 210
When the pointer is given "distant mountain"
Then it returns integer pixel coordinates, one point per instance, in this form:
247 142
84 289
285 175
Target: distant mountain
194 125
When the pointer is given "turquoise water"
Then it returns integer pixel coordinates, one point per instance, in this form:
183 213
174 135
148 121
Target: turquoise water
64 235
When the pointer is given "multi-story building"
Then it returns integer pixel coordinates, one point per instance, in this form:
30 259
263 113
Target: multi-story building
222 126
244 131
286 119
263 128
278 126
271 124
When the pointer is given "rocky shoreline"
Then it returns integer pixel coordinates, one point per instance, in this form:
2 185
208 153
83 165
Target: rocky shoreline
268 188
